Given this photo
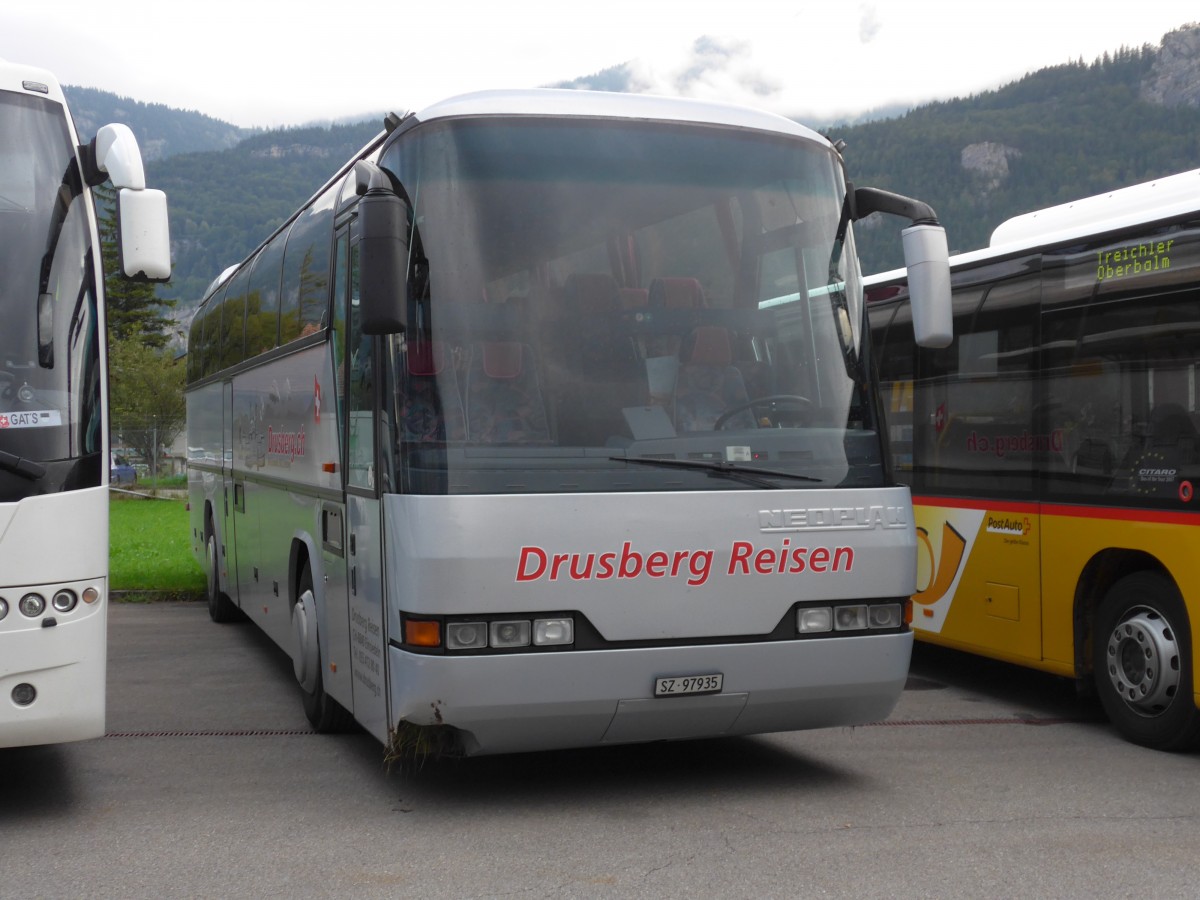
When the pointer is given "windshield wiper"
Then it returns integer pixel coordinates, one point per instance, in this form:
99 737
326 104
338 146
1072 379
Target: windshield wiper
18 465
719 468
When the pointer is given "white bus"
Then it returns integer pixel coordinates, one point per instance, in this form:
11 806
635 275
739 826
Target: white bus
544 424
54 450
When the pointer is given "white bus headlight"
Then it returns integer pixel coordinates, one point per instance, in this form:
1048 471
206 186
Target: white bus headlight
850 618
32 605
64 601
814 620
466 635
886 615
513 633
3 607
553 632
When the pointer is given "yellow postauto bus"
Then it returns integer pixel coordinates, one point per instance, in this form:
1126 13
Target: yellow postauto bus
1053 450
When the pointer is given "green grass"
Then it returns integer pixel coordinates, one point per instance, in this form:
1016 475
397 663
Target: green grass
150 548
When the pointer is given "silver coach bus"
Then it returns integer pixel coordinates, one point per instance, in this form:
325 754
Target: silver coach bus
548 422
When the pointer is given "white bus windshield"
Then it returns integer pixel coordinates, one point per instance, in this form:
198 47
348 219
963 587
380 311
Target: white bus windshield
585 295
50 419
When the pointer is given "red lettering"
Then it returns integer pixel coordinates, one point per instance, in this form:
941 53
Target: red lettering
531 554
680 557
606 565
797 560
818 559
585 573
630 557
843 553
764 561
559 560
656 564
700 566
739 557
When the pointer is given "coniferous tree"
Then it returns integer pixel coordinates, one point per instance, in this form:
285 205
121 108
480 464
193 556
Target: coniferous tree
135 312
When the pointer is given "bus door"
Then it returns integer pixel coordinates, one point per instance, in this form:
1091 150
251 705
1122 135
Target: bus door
233 504
978 452
358 376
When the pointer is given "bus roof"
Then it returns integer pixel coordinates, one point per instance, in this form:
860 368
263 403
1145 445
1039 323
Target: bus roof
1161 199
29 80
600 104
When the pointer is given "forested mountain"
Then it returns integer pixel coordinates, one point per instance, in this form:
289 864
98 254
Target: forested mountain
161 131
1062 133
1065 132
224 204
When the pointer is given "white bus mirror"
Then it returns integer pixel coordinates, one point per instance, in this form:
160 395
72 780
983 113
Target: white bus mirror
143 236
117 154
927 258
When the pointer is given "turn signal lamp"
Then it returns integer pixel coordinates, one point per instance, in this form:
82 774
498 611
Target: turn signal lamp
90 595
422 633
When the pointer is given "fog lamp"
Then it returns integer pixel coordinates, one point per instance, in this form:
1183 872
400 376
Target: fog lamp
32 605
814 620
24 694
885 615
3 607
64 600
850 618
513 633
466 635
553 632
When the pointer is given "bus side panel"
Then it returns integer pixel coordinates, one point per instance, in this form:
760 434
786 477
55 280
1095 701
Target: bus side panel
978 576
1073 535
205 434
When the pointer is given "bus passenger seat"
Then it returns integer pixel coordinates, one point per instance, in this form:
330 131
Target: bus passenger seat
431 409
672 294
504 397
708 384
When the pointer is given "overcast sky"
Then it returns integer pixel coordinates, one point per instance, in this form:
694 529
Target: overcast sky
269 63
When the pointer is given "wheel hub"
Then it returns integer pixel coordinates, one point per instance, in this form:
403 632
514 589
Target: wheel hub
1142 659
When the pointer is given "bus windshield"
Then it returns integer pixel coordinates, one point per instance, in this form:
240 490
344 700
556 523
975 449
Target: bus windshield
587 295
50 421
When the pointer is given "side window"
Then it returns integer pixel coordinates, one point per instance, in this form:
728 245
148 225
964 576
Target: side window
1121 391
892 343
974 425
360 390
339 338
304 302
262 298
231 348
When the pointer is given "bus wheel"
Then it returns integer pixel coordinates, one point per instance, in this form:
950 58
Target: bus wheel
1142 658
220 607
324 713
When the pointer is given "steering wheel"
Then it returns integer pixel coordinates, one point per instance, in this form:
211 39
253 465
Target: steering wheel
772 401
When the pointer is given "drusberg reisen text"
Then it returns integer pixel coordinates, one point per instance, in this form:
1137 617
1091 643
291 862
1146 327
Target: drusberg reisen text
745 558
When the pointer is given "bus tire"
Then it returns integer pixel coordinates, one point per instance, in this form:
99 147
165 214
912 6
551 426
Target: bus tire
325 714
1142 663
220 608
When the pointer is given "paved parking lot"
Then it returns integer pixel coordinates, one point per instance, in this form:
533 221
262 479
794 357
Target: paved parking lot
986 782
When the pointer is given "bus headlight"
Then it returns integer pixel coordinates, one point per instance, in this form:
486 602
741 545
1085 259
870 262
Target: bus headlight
850 618
514 633
64 601
814 620
32 605
885 615
466 635
3 607
553 632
